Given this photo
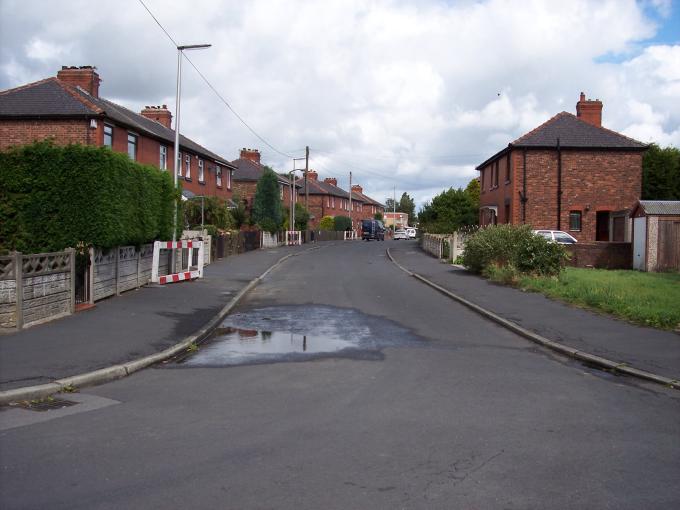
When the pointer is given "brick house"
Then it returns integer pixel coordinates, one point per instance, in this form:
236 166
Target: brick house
249 170
369 207
396 219
327 199
567 174
68 109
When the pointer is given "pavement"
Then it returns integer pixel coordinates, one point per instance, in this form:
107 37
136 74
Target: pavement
128 327
644 348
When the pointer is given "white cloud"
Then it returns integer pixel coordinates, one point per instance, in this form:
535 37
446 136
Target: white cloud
401 93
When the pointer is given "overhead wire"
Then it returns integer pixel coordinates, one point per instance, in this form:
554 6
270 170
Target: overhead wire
210 85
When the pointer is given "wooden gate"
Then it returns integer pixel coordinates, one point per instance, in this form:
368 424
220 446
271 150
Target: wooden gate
668 255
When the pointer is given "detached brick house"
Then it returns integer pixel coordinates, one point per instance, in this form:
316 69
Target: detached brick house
68 109
568 174
249 170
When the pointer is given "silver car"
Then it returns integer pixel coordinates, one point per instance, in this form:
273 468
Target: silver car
556 236
400 234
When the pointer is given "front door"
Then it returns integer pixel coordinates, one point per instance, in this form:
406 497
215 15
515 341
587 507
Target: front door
602 226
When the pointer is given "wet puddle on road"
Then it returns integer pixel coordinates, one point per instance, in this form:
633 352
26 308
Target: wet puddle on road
293 333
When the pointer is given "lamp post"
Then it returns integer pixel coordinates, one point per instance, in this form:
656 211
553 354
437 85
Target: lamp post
178 162
291 178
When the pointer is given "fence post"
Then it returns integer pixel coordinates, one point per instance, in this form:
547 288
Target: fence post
139 263
117 261
19 282
72 293
90 282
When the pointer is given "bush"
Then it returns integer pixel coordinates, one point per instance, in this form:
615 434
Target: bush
327 223
54 197
342 223
514 248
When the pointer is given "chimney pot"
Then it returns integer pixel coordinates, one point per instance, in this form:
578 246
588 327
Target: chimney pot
85 77
589 111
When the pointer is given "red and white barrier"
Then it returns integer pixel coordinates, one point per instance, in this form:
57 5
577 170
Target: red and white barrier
190 273
293 237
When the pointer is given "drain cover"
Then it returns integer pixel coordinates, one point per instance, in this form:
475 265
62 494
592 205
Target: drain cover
45 404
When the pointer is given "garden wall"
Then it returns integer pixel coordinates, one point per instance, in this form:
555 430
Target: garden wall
601 255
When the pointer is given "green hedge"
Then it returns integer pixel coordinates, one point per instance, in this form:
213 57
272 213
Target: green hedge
513 249
55 197
342 223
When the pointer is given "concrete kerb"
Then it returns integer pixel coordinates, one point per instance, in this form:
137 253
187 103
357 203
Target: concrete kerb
561 348
123 370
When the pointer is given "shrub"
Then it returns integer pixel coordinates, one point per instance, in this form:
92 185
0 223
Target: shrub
267 209
55 197
326 223
514 247
342 223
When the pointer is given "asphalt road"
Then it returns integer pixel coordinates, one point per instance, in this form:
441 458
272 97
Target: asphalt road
434 407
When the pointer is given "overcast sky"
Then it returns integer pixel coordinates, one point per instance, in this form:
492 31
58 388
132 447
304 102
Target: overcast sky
412 94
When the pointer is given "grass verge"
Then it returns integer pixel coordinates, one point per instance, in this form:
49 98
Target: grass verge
650 299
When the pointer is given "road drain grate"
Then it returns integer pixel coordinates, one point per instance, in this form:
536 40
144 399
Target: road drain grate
45 404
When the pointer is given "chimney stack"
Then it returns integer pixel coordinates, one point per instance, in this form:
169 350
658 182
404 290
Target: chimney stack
85 77
331 180
251 154
312 175
160 114
357 189
589 111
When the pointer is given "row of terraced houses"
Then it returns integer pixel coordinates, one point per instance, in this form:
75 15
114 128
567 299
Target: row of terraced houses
68 109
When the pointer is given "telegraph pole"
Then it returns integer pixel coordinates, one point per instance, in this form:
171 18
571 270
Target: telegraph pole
351 223
306 170
394 210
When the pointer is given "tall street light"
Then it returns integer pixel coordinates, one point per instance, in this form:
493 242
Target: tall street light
178 162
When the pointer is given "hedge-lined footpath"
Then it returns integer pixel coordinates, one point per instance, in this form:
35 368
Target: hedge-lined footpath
55 197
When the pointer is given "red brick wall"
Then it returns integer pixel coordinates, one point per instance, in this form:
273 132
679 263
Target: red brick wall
64 132
591 181
502 193
601 255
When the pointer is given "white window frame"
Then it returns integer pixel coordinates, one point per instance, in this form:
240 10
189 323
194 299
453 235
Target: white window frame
187 166
178 164
201 171
163 157
218 176
228 178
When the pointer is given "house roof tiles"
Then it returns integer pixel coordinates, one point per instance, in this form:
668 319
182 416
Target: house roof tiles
53 98
573 133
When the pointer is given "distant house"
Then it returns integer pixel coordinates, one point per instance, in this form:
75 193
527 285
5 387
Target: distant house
249 170
327 199
370 206
396 219
68 109
568 174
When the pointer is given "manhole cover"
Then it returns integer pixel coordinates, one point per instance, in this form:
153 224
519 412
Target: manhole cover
44 404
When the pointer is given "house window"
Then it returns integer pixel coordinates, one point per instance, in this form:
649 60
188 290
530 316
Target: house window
228 179
507 213
328 201
201 173
132 146
495 175
163 159
218 176
575 220
333 202
187 167
179 164
108 136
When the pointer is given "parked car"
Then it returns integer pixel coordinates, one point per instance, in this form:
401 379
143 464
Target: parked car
411 232
556 236
400 234
372 229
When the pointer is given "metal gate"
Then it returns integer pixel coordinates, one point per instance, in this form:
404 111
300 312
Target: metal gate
251 240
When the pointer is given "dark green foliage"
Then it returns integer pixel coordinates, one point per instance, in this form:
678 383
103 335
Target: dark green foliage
448 212
341 223
215 212
661 173
327 223
378 216
267 209
407 205
512 249
54 197
473 189
239 214
301 217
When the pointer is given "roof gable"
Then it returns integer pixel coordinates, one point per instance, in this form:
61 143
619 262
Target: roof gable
572 132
